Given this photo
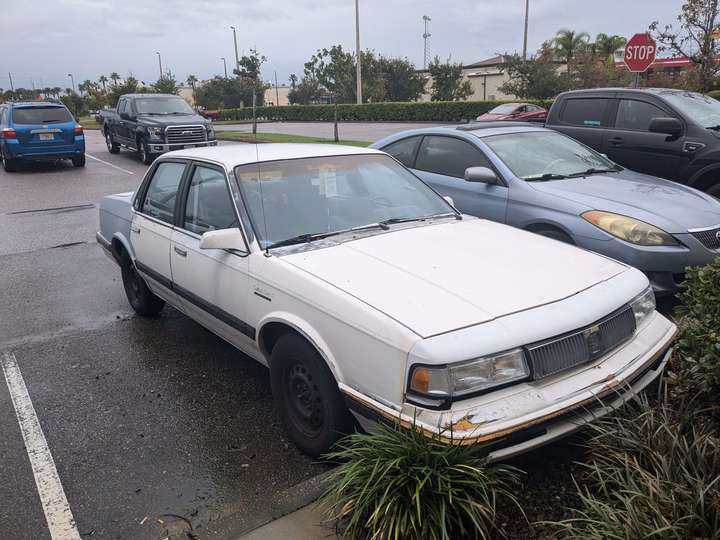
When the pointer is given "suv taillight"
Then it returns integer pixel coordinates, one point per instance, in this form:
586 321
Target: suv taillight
9 133
78 130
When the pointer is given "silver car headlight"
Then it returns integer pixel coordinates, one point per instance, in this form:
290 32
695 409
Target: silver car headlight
630 229
455 381
155 132
643 307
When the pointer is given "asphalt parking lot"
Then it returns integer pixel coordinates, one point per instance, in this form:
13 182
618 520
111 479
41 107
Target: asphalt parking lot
157 428
353 131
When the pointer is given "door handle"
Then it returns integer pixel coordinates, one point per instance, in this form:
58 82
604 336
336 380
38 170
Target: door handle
615 141
180 252
134 229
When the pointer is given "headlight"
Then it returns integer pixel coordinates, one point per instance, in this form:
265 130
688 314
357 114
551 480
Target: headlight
210 131
457 380
643 306
629 229
155 132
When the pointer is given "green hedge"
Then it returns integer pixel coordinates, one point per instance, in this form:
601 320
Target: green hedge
432 111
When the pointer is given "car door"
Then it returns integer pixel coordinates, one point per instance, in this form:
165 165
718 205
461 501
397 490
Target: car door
441 161
211 283
584 119
118 129
152 225
629 143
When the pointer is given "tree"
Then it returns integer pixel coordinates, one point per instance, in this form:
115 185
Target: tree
129 86
166 84
293 80
334 70
568 42
447 81
306 92
402 82
535 78
693 38
102 80
115 78
56 92
606 46
248 71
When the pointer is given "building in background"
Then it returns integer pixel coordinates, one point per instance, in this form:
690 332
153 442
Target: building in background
281 95
186 92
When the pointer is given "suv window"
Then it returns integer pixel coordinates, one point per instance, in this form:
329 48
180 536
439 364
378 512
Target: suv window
41 115
633 114
403 151
162 191
448 156
587 112
208 206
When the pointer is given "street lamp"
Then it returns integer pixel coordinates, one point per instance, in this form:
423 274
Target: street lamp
237 59
72 81
224 66
160 63
525 37
357 52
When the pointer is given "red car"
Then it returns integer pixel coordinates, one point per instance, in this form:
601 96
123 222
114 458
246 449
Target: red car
210 115
515 111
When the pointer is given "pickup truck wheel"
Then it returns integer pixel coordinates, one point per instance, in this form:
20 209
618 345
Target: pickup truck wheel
310 404
79 161
141 298
112 146
144 152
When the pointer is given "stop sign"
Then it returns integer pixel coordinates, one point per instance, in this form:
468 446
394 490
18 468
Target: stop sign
640 52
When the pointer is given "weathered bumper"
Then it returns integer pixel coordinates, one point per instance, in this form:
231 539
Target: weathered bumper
519 418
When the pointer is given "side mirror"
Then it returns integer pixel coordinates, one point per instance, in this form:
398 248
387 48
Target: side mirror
481 174
223 239
666 125
124 116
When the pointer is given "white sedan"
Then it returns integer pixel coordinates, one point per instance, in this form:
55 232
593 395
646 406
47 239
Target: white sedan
366 292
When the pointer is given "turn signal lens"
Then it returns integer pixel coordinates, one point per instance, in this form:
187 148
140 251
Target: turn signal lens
9 133
420 380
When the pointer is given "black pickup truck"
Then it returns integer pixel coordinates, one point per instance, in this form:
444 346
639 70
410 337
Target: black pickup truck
674 134
151 124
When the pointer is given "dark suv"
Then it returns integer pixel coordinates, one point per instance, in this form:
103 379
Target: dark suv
673 134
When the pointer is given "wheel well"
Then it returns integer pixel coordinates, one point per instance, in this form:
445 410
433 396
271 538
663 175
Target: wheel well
121 254
271 333
704 182
539 228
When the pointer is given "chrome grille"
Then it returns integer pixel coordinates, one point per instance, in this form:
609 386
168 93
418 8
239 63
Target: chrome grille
186 134
710 239
564 352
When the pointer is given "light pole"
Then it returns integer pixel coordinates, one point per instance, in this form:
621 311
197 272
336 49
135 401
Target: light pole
357 52
72 81
237 58
160 63
277 94
527 12
224 66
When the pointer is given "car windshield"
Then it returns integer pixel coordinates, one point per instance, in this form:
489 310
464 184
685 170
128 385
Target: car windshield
41 115
546 155
162 105
702 110
324 195
508 108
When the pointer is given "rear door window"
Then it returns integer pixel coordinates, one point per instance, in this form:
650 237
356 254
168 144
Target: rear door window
636 115
41 115
448 156
404 150
586 112
162 191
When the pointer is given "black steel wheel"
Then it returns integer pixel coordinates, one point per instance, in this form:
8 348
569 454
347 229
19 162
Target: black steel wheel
141 298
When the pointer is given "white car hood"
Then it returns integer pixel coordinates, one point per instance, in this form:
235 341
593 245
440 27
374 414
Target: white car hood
438 278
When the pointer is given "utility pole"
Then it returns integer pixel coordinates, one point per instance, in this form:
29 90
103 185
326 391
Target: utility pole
237 58
277 94
72 81
525 38
357 52
426 35
224 66
160 63
12 88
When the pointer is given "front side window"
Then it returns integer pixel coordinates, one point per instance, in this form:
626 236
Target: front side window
208 206
586 112
701 109
507 108
286 199
162 191
162 106
41 115
404 150
448 156
636 115
546 155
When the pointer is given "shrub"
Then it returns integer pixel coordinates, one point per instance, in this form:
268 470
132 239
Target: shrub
435 111
651 474
399 484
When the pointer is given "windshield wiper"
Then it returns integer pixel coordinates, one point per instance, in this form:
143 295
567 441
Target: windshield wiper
546 176
302 239
592 171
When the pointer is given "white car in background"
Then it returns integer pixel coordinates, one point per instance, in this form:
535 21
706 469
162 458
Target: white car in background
364 291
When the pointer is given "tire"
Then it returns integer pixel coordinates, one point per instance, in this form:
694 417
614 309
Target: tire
79 161
309 402
555 234
141 298
112 146
9 165
143 151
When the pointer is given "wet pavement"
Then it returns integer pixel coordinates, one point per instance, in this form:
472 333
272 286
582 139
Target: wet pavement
157 428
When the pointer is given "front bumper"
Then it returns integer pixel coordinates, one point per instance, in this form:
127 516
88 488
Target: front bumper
161 147
525 416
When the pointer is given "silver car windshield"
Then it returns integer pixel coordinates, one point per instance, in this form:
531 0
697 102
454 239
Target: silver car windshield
315 197
701 109
544 155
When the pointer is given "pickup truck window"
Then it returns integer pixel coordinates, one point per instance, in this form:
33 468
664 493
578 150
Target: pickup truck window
208 206
448 156
121 106
162 105
586 112
633 114
162 192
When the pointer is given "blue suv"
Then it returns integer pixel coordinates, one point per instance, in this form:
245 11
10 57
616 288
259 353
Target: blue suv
39 131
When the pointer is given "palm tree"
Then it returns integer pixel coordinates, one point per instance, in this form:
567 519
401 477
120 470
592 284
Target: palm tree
47 92
568 42
191 80
115 78
607 45
56 91
102 80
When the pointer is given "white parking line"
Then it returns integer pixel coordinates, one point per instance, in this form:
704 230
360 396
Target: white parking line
60 520
108 164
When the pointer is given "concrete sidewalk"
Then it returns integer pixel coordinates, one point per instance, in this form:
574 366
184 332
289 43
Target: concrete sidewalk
303 524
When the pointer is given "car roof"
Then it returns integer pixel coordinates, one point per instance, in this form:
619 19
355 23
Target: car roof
25 104
631 90
150 95
232 155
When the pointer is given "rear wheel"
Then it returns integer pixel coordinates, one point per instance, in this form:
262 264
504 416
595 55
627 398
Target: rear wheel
9 165
112 146
79 161
144 151
141 298
310 404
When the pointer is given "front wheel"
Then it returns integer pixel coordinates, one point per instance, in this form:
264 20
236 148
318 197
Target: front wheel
141 298
714 190
79 161
310 404
144 152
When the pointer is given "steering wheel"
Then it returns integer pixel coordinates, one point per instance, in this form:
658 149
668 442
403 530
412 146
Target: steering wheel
550 166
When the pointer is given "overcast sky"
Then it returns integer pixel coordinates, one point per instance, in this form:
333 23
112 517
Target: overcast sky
46 40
